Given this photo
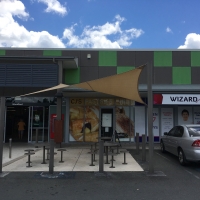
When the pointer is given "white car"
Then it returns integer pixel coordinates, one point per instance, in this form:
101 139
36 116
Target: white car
183 141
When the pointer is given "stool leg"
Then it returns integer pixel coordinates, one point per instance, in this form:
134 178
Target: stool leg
112 158
61 159
112 162
118 150
92 160
94 157
29 160
107 156
124 158
43 155
48 154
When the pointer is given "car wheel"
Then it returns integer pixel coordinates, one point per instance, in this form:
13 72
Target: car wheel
162 147
181 157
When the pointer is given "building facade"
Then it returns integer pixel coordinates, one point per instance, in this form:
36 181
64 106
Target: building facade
87 115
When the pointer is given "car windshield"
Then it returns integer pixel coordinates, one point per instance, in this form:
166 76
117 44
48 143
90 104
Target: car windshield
194 131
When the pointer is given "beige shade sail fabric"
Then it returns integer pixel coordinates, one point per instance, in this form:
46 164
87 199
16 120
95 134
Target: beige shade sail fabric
123 85
60 86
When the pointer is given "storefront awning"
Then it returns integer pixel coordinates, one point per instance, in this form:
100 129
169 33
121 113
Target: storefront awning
123 85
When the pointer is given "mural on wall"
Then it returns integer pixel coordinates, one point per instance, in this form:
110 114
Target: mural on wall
91 123
84 123
124 124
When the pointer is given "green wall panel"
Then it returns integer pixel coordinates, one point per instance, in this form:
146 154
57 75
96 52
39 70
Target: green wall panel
52 53
195 58
108 58
2 52
181 75
72 76
162 58
124 69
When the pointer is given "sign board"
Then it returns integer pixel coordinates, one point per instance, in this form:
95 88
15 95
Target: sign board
106 120
176 99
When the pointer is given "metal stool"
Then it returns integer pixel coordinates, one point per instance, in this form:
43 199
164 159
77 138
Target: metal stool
61 151
29 153
124 151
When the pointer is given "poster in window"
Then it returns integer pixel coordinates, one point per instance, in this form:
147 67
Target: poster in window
166 119
196 115
185 115
106 120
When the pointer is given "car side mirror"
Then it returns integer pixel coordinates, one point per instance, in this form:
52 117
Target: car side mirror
165 133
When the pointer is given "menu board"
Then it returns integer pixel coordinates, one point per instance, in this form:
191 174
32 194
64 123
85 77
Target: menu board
106 120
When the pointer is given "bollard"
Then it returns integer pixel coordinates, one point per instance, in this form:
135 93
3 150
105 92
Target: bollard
143 148
137 143
101 150
10 147
51 159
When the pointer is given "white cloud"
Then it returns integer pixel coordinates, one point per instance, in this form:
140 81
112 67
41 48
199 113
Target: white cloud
13 7
192 41
97 36
54 6
168 30
14 35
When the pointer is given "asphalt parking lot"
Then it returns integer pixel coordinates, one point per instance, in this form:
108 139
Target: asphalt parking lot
172 181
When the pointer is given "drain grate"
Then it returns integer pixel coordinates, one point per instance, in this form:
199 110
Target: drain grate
58 175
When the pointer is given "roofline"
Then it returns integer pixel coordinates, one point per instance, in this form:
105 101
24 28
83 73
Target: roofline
97 49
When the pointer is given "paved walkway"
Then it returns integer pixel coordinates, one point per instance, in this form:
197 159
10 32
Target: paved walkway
76 158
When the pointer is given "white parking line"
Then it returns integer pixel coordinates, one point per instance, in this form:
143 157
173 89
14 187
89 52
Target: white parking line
192 174
163 156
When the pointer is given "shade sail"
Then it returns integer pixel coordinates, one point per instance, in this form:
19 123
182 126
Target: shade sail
123 85
60 86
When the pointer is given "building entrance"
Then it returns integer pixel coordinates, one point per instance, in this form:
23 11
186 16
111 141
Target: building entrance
13 115
36 119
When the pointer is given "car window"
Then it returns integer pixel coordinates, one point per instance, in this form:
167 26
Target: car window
172 131
194 131
179 131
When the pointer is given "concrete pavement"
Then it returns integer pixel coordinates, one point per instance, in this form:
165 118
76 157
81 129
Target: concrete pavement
76 158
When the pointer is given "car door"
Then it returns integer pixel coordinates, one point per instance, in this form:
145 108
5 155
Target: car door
175 139
169 140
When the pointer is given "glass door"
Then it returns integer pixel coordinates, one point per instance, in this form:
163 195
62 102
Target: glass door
106 122
38 124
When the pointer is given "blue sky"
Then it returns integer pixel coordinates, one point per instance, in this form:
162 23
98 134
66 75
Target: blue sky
127 24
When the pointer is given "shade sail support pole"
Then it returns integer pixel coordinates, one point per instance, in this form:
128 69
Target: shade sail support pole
150 118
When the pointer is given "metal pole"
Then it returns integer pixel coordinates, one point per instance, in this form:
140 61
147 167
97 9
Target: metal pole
36 135
2 123
137 143
10 147
150 119
51 159
101 150
143 148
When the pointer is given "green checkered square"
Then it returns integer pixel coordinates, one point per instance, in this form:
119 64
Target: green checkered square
181 75
52 53
2 52
72 76
162 58
108 58
124 69
195 58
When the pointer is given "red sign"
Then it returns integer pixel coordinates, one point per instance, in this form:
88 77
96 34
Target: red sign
52 124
